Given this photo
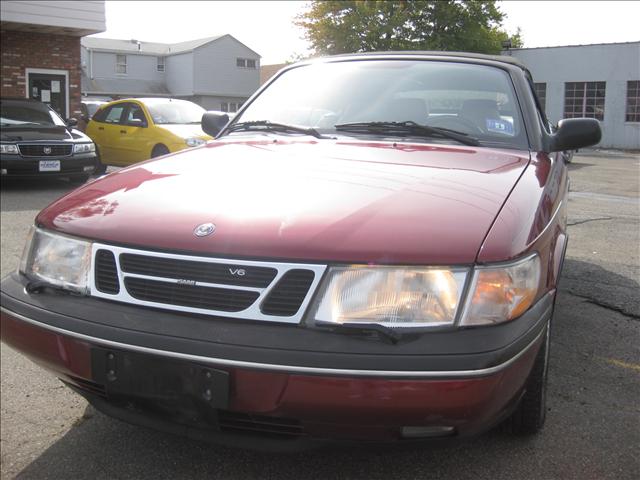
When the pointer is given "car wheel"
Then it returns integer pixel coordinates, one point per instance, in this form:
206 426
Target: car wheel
159 150
530 414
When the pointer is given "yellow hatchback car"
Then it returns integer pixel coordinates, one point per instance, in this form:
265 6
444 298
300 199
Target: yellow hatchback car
131 130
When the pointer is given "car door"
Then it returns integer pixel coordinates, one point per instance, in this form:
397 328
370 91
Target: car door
135 141
104 130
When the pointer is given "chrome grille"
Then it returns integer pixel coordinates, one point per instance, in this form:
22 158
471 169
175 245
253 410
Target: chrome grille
259 277
190 295
45 150
106 272
286 297
253 290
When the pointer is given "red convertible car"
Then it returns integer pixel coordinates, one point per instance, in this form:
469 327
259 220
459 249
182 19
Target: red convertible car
369 251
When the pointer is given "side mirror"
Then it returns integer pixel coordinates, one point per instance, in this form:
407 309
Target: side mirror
72 122
214 122
135 122
575 133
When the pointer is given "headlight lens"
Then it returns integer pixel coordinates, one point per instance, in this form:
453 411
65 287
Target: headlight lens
499 294
194 142
84 148
7 148
57 260
392 296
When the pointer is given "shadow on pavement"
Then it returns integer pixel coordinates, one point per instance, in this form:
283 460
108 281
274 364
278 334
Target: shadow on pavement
577 166
100 447
40 192
601 287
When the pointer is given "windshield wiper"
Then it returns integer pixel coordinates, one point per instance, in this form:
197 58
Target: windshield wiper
273 127
407 128
386 333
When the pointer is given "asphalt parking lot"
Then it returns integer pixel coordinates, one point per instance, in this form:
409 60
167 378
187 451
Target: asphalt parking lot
593 419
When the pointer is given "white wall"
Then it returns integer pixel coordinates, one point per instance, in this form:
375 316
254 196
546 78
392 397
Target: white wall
84 17
216 72
179 73
139 67
215 103
614 64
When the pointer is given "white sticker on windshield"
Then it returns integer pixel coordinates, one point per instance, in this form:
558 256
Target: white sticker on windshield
499 126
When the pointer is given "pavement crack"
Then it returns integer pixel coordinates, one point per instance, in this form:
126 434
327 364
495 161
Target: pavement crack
589 220
612 308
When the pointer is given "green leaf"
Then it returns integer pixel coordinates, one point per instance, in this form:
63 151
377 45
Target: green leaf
334 27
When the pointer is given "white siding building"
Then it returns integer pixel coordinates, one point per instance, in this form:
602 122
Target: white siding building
219 73
599 81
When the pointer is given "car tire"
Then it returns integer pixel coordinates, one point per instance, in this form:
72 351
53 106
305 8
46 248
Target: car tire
529 416
158 151
101 168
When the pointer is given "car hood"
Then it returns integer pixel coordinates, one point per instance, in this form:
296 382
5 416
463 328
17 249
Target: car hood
325 200
33 133
185 131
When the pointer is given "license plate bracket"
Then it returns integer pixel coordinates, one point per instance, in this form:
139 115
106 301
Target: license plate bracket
138 375
49 165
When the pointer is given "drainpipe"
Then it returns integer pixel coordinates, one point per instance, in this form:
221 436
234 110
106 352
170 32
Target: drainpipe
91 63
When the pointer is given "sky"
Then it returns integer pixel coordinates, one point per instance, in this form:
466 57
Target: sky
267 26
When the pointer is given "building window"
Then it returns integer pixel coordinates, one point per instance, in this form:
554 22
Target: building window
584 99
633 101
160 64
230 106
245 63
121 64
541 93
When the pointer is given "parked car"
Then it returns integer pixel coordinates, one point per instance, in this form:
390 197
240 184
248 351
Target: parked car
35 141
88 107
131 130
567 156
369 251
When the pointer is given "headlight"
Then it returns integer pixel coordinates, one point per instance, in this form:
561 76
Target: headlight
194 142
7 148
502 293
84 148
392 296
57 260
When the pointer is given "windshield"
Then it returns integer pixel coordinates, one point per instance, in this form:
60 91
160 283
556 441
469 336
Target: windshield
476 100
175 112
28 114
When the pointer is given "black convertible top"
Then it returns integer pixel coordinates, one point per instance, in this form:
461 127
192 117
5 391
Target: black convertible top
426 54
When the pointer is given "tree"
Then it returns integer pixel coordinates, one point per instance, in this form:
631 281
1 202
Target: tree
334 27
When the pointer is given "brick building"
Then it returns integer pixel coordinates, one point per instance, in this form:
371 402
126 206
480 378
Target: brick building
40 48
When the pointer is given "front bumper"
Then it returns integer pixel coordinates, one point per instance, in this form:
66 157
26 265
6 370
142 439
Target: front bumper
27 167
278 385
